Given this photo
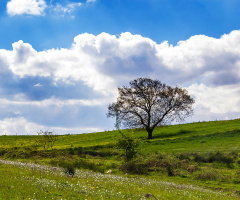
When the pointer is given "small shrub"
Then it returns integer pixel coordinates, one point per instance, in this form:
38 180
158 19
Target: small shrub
134 167
184 156
69 170
3 151
199 158
155 163
236 176
238 161
192 168
221 158
207 175
128 144
234 154
70 151
19 152
170 170
236 181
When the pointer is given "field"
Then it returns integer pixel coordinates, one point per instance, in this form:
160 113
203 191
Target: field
188 161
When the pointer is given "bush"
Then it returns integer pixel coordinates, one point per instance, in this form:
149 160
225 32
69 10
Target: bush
184 156
134 167
128 144
157 162
192 168
238 161
199 158
3 151
220 157
170 170
19 152
69 170
207 175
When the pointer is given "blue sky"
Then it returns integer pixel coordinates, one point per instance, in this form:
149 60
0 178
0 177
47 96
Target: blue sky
159 20
61 61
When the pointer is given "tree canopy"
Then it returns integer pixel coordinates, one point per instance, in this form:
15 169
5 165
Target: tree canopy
148 103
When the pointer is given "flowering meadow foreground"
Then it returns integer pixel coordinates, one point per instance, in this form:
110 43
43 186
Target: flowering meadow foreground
20 180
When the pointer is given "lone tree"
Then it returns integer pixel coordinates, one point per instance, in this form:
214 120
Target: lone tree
149 103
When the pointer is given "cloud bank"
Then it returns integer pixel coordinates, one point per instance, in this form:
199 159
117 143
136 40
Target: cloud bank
69 89
39 7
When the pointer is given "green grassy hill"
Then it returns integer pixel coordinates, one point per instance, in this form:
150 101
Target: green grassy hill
197 137
193 161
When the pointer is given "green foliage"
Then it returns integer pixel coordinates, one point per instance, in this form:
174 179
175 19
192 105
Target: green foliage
128 144
211 175
134 167
185 165
19 152
28 153
165 163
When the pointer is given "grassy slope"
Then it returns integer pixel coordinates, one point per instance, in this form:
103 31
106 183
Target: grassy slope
194 137
197 137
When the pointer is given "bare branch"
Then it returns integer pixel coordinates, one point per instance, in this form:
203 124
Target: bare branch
147 103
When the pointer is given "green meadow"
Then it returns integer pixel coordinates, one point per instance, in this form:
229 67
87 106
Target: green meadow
188 161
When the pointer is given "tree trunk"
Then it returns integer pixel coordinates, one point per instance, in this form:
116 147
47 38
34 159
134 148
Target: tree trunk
149 130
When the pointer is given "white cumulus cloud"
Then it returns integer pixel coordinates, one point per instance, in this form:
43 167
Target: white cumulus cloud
79 82
29 7
20 126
